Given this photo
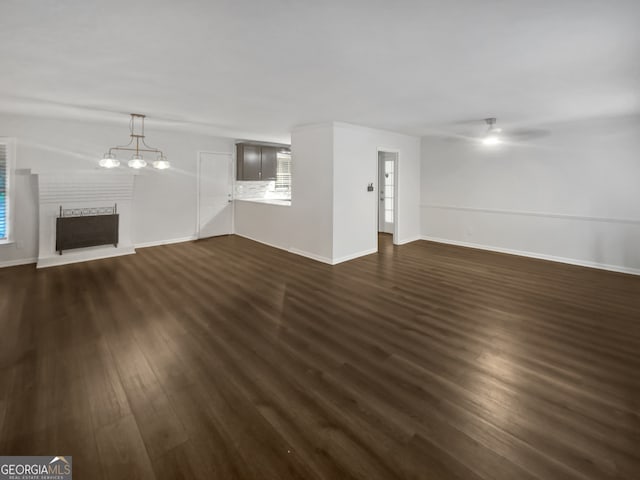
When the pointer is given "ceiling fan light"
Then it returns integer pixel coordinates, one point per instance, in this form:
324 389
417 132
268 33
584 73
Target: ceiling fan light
137 162
492 137
491 140
109 161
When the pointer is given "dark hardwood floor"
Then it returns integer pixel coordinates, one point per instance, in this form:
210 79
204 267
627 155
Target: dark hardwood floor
225 358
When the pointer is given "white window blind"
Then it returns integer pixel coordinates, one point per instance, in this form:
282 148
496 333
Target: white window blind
4 191
283 172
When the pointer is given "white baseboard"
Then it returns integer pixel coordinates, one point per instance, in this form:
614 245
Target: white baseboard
295 251
346 258
248 237
302 253
166 242
409 240
312 256
539 256
85 256
20 261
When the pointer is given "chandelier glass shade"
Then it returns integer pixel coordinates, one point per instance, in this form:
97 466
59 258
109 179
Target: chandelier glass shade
136 145
109 161
137 162
161 163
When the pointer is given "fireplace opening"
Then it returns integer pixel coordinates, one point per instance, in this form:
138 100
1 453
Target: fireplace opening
86 227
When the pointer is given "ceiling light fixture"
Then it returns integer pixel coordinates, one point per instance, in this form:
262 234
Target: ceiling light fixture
492 136
109 161
137 145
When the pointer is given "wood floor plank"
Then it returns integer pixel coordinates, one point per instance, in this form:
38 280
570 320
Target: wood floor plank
225 358
122 451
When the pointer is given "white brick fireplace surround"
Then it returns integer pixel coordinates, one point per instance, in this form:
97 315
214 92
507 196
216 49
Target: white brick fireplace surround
91 189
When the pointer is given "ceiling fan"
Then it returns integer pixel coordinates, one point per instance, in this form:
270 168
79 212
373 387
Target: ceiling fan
494 135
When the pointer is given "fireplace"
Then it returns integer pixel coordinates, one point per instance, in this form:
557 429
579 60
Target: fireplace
86 227
76 224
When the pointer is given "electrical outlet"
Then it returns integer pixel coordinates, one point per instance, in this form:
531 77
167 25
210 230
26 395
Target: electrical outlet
19 244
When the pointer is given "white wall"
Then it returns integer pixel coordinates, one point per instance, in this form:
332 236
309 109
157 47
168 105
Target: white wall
265 223
354 208
304 227
572 196
333 217
164 203
311 192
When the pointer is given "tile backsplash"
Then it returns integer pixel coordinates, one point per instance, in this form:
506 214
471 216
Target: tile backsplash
254 189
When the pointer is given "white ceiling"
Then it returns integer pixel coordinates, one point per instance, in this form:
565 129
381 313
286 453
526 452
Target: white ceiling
255 69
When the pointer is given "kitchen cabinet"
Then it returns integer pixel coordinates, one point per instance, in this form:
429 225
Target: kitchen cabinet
249 159
269 163
256 162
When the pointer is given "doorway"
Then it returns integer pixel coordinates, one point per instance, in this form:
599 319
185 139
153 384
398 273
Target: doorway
215 183
387 192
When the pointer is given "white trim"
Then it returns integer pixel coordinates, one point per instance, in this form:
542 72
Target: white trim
354 256
157 243
265 201
312 256
568 216
539 256
410 239
268 244
21 261
77 257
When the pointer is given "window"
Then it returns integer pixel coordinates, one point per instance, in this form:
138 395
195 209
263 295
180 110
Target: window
388 191
283 172
4 192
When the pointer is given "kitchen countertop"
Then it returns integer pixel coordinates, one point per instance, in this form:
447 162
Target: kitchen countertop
269 201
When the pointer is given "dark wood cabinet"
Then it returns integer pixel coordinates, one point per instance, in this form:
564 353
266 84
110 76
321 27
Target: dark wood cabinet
249 159
269 163
256 162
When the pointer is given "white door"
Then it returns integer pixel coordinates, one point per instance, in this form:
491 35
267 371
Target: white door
215 181
386 183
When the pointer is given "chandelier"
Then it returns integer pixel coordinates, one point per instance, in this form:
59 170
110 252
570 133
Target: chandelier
137 145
